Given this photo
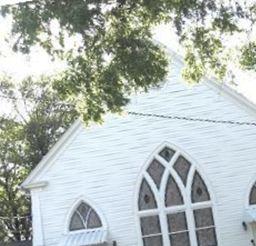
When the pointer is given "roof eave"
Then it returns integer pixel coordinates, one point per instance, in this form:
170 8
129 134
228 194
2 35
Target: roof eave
38 185
51 155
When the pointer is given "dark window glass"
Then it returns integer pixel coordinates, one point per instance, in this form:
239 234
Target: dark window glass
182 167
84 218
203 217
205 231
177 226
83 210
173 195
167 153
150 225
177 222
76 223
253 195
146 197
206 237
156 170
93 220
153 241
199 191
180 239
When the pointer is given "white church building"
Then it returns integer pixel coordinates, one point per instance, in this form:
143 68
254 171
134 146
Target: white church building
179 171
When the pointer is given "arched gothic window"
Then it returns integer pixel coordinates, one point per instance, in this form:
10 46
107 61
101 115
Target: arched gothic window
84 217
174 204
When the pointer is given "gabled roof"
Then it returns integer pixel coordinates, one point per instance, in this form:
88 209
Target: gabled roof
61 145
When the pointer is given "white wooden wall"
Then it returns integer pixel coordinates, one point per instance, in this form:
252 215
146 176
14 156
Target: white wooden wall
103 162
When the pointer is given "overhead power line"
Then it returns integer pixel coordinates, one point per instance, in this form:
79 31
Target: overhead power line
194 119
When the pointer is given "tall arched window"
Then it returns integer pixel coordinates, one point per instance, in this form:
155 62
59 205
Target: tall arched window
84 217
174 204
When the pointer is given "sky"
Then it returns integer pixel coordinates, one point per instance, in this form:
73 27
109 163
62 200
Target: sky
19 66
6 2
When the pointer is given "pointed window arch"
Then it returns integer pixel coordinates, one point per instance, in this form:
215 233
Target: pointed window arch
174 203
199 191
147 198
84 217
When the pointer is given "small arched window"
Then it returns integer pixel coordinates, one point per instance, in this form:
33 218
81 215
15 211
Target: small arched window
84 217
174 204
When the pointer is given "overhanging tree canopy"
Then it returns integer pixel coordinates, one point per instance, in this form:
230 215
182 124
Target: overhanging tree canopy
110 52
109 48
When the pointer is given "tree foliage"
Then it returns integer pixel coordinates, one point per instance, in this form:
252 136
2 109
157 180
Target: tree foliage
110 53
109 48
37 120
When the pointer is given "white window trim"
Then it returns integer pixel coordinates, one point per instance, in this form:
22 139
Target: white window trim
188 206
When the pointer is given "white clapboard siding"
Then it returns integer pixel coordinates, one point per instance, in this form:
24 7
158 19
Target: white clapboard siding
103 163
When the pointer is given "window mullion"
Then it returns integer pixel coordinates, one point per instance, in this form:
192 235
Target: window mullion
150 212
162 213
81 217
189 208
191 222
201 205
164 226
166 176
152 235
175 209
87 217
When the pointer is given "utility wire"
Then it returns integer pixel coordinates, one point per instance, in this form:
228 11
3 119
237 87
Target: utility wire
194 119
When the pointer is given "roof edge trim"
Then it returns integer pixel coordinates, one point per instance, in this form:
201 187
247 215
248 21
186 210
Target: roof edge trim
50 156
38 185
